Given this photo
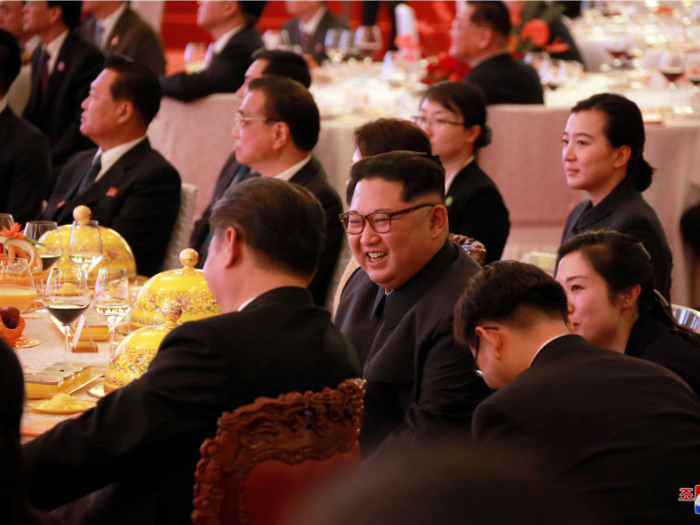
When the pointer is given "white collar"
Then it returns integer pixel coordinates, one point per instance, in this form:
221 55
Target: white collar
290 172
448 182
53 48
30 45
310 27
545 344
3 104
240 308
109 23
111 156
223 40
486 57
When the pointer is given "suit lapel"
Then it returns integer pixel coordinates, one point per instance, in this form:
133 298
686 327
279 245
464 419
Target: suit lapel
32 106
8 121
59 68
306 174
118 30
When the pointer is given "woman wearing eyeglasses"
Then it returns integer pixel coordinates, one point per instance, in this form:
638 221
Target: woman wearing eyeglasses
453 115
602 152
607 277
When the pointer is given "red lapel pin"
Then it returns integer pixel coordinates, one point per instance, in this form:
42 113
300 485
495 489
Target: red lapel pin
60 204
112 192
61 66
114 42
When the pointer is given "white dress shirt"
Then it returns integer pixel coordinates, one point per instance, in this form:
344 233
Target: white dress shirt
54 48
289 173
111 156
310 27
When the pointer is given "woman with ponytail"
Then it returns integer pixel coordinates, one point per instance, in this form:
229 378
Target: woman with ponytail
612 303
453 115
603 155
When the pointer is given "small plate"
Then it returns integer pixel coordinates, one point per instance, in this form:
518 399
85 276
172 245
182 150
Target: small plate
65 411
26 342
98 391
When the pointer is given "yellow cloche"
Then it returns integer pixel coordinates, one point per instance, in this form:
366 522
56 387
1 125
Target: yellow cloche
135 353
186 286
116 251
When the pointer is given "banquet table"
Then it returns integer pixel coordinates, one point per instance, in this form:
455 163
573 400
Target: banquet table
524 158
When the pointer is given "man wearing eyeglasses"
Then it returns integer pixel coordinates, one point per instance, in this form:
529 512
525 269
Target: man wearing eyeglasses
621 433
397 309
276 128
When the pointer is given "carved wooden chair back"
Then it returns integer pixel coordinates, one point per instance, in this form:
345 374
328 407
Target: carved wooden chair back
267 454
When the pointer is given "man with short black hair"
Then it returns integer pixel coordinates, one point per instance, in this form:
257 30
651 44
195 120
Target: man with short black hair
117 29
62 69
25 156
277 126
308 28
397 309
140 445
266 62
620 432
128 185
480 38
230 24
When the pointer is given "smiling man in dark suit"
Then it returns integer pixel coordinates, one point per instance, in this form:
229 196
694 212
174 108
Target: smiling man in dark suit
397 308
62 69
25 156
141 443
117 29
308 28
621 433
231 26
480 38
128 186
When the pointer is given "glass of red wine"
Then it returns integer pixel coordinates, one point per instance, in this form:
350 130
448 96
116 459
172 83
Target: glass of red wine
617 44
692 70
672 66
66 297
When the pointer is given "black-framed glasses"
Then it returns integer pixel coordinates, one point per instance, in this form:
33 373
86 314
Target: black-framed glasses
432 122
476 350
380 221
239 120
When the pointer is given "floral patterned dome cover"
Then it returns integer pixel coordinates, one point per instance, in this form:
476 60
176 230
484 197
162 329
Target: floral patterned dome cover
135 353
186 286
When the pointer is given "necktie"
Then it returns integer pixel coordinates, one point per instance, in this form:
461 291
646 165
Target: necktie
91 175
44 71
99 32
305 37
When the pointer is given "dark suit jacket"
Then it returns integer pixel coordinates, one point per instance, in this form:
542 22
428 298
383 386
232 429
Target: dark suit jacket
317 42
624 210
132 36
476 209
58 113
139 197
25 161
505 80
654 341
620 432
142 441
420 383
224 74
199 240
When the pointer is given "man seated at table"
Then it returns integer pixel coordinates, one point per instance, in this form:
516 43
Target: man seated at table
621 432
277 126
308 28
142 441
128 186
266 62
231 26
116 28
25 156
480 37
397 309
62 69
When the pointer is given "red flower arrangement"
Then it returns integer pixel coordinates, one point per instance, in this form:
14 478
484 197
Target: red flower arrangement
444 67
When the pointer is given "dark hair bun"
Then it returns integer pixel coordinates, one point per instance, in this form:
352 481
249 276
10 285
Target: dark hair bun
642 175
484 138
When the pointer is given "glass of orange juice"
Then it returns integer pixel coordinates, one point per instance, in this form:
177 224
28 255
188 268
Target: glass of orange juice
16 284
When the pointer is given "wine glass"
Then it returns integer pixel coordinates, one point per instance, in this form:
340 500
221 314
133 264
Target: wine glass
48 239
275 39
332 45
112 299
617 45
692 70
195 55
346 43
672 65
368 41
6 221
85 245
66 297
16 290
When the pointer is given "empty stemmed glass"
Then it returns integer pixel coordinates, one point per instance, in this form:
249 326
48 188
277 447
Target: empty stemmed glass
112 299
368 41
332 45
66 297
48 239
195 56
85 246
6 221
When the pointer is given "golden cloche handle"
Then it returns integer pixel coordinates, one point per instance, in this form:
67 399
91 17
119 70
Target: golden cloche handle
82 213
189 257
